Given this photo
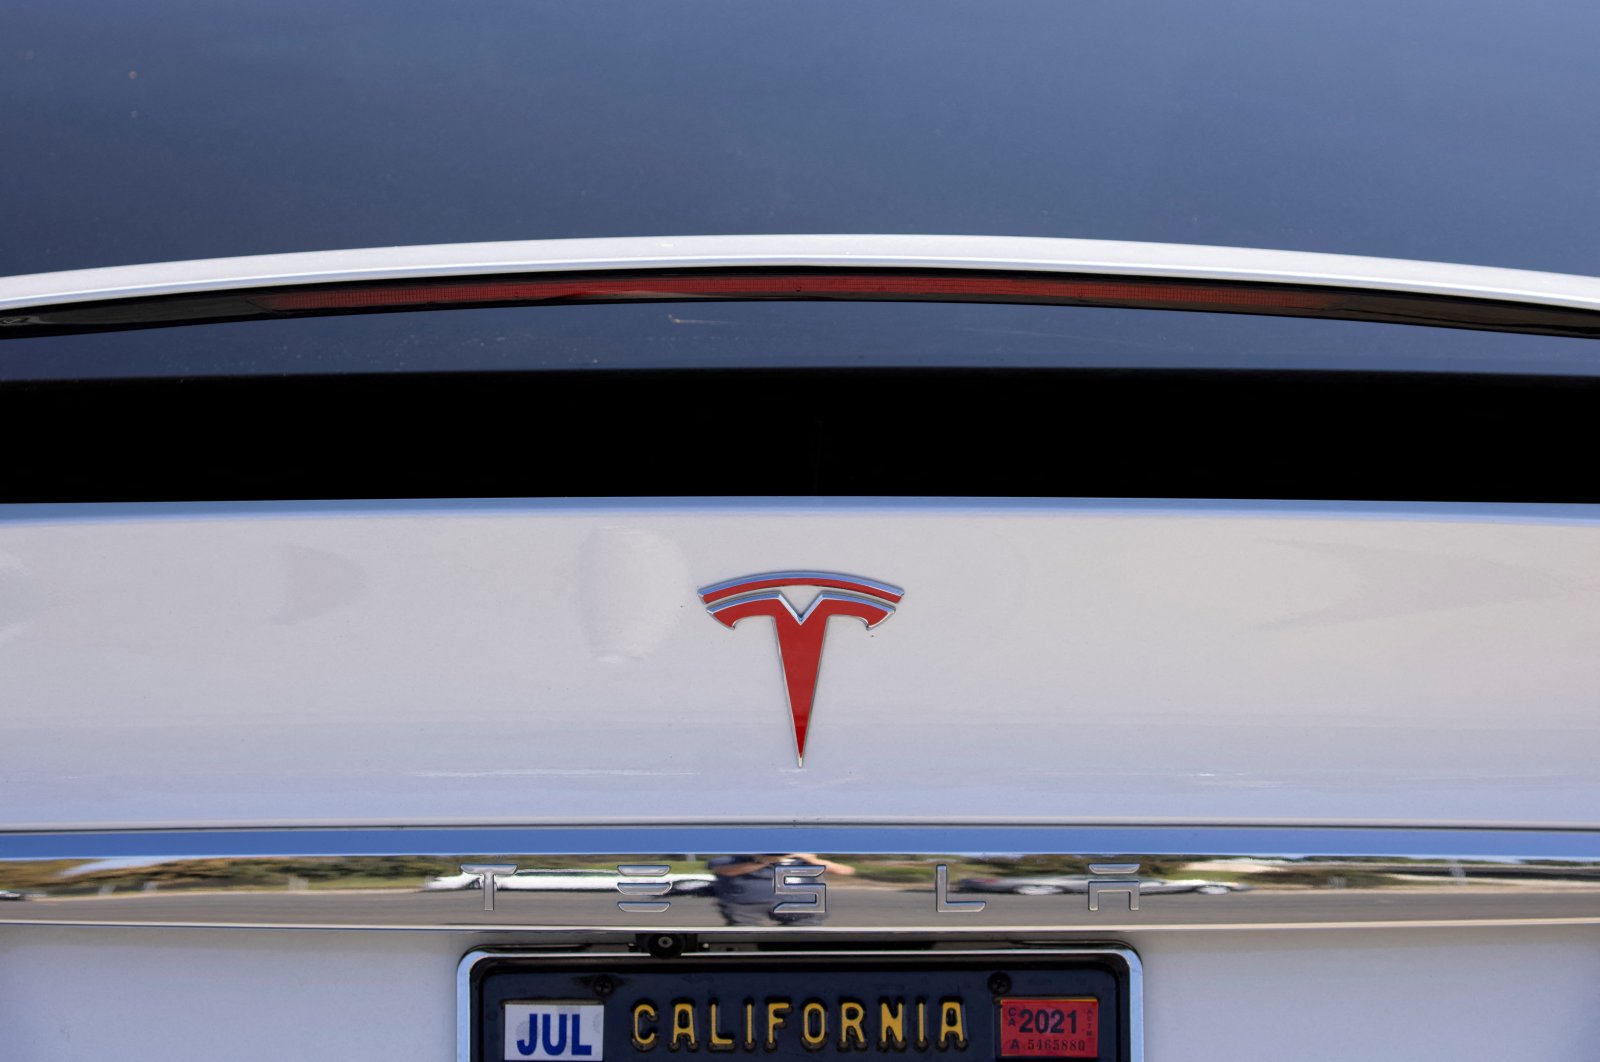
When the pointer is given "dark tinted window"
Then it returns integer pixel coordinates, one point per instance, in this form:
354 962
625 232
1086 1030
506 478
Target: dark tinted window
833 335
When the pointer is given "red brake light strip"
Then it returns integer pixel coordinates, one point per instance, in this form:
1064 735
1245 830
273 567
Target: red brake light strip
794 286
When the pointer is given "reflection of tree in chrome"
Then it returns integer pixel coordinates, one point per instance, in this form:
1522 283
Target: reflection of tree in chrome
36 873
1321 878
65 878
69 877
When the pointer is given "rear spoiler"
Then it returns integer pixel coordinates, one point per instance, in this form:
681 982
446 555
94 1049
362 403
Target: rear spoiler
998 269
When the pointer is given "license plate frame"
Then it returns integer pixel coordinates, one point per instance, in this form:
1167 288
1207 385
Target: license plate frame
490 978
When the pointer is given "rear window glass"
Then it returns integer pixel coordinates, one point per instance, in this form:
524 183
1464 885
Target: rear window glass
785 335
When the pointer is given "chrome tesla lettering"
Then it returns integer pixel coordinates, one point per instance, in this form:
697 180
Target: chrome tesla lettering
941 895
487 874
800 634
797 895
644 879
1113 882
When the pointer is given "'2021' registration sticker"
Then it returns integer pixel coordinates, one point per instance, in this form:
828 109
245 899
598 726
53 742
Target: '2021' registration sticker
1050 1028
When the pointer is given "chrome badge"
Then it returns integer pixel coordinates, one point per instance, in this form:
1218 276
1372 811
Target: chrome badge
800 634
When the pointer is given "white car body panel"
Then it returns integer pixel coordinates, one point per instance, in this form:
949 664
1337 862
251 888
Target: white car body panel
1212 997
472 663
532 663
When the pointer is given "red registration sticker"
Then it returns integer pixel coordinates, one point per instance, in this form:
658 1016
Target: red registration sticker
1050 1028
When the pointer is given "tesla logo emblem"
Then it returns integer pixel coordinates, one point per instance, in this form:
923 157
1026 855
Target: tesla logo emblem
800 634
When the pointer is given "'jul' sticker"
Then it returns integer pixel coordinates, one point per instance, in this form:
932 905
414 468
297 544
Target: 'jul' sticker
555 1030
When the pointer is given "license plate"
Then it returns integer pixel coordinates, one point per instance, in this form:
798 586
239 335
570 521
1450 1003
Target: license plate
952 1007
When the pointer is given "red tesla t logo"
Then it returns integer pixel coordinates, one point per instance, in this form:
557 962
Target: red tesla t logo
800 634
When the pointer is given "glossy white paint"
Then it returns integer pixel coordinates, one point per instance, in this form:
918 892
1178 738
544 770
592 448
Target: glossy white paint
855 250
1329 996
538 662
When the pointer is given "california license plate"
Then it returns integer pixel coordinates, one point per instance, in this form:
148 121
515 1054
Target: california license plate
952 1007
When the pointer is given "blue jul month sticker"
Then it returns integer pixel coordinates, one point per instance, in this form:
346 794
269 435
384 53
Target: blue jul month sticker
553 1029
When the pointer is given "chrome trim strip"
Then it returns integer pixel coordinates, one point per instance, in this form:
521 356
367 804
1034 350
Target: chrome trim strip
583 882
464 997
1135 1001
1232 841
1130 959
1015 253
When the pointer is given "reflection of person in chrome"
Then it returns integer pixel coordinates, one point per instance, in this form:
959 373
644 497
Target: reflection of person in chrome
746 887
